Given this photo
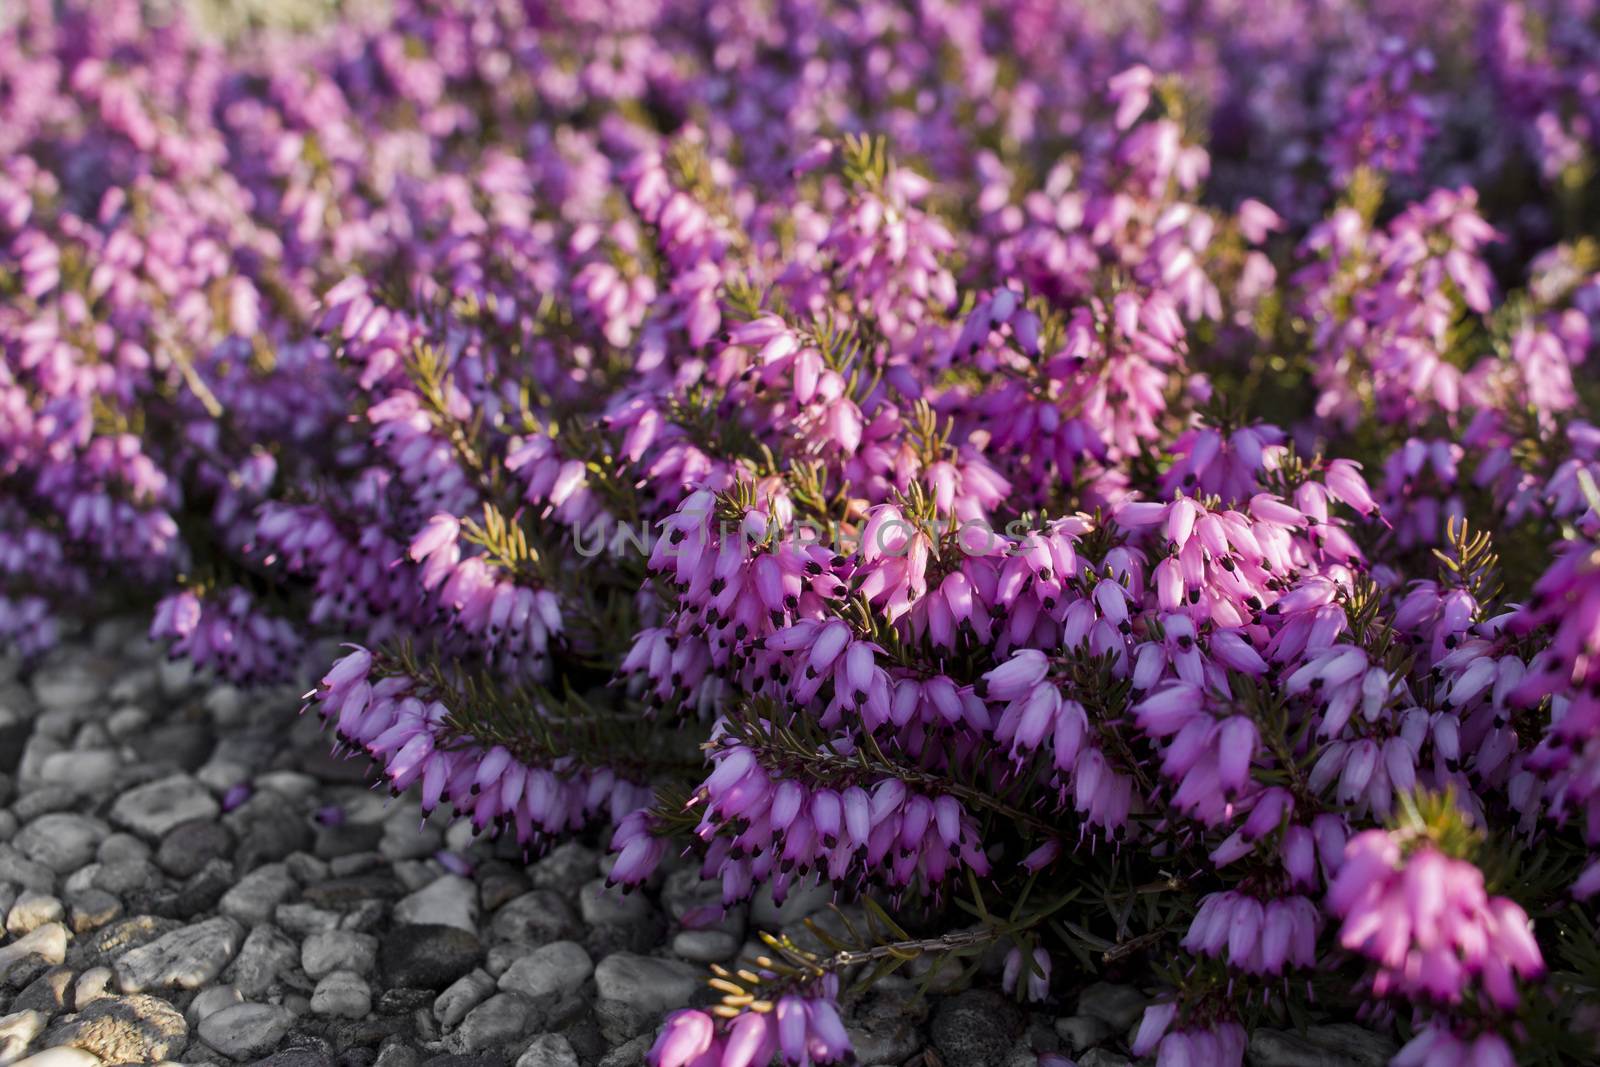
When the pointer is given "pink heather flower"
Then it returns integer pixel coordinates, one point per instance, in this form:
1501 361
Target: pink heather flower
1037 968
1222 1044
685 1038
1436 1045
780 415
1428 924
1256 936
801 1029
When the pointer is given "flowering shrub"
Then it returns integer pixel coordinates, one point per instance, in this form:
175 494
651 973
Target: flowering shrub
1118 491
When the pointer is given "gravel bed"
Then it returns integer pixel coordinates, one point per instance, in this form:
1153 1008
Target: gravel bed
318 921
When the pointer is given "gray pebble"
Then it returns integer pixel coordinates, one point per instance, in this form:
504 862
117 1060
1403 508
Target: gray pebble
61 841
705 946
461 996
246 1031
1082 1031
212 1000
548 1050
536 918
496 1022
647 982
1120 1006
266 954
258 894
605 906
338 950
32 910
343 994
560 967
186 958
153 809
447 901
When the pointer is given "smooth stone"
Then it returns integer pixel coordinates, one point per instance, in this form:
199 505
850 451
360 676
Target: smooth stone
396 1053
495 1023
124 876
174 676
646 981
188 847
131 1029
705 946
610 906
462 995
536 918
257 896
1082 1031
50 993
91 986
801 900
630 1053
90 909
567 865
266 954
153 809
246 1031
291 784
684 891
344 994
1119 1005
1101 1057
32 910
183 745
560 967
347 839
307 869
62 841
338 950
61 1057
70 684
1336 1045
20 870
122 848
448 901
40 950
17 1031
405 839
427 956
44 800
212 1000
497 888
268 828
226 705
548 1050
621 1021
85 771
186 958
303 920
221 775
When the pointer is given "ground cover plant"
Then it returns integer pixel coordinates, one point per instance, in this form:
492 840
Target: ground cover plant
1111 484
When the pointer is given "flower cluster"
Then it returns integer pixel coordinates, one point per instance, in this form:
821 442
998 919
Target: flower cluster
798 1029
1429 924
1079 485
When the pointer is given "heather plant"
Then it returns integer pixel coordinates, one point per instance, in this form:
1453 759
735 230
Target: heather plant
1104 494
